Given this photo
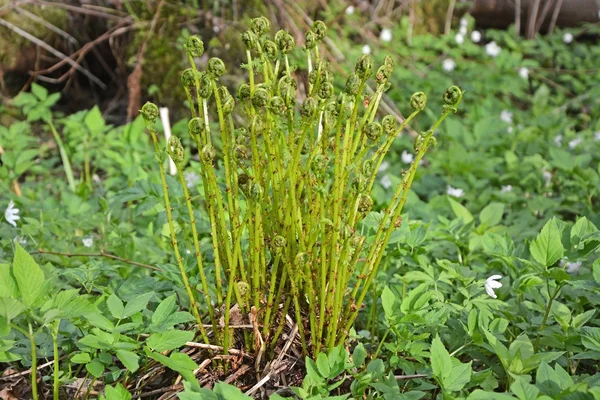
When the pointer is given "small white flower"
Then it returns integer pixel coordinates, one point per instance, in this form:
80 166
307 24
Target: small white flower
366 49
575 142
597 135
12 214
188 251
476 36
463 30
506 189
191 179
384 166
506 116
509 129
492 49
460 39
407 157
20 239
349 10
558 140
454 192
524 72
568 37
386 182
463 22
385 35
88 241
572 267
547 176
448 65
492 283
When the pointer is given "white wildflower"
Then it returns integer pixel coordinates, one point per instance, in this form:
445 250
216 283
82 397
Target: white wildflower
385 35
386 182
460 39
20 239
572 267
506 116
492 49
492 283
597 135
407 157
506 189
384 166
524 72
448 65
12 214
463 30
349 10
509 129
463 22
88 241
191 179
366 49
575 142
547 176
558 140
454 192
568 37
476 36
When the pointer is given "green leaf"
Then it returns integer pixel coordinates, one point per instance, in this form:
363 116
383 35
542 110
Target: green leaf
178 362
95 368
590 337
523 389
596 271
441 362
137 304
387 300
359 355
117 393
39 91
580 320
93 120
10 308
459 376
129 359
29 277
8 286
323 365
460 211
547 380
229 392
169 340
482 395
547 247
115 306
81 358
491 215
164 310
582 228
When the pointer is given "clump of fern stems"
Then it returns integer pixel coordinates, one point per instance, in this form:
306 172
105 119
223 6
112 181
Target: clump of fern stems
286 192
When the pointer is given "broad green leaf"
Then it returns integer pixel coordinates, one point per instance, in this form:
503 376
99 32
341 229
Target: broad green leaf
164 310
547 247
523 389
137 304
81 358
95 368
115 306
547 380
117 393
129 359
8 286
323 365
178 362
229 392
580 320
590 337
93 120
582 228
596 271
100 321
169 340
10 308
359 355
483 395
28 275
460 211
387 300
459 376
39 91
441 362
491 215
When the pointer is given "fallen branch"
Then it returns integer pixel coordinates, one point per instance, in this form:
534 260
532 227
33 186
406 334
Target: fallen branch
101 254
